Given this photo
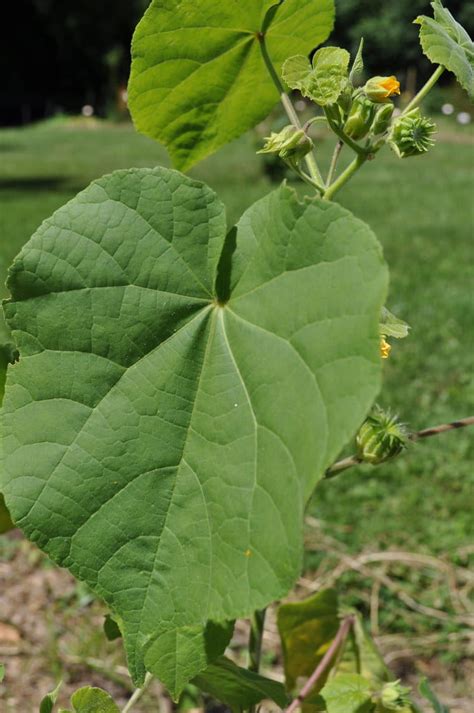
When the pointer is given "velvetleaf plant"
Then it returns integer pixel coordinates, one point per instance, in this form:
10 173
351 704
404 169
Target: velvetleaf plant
182 388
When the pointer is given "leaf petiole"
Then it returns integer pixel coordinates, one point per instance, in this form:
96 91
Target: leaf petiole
418 98
289 109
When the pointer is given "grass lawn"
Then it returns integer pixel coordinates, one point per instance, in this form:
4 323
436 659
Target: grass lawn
422 212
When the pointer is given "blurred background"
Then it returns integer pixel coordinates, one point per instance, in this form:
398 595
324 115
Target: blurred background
397 541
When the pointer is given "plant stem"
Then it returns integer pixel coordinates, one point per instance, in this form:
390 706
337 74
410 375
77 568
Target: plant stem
138 693
345 463
332 167
359 150
418 98
289 108
344 177
257 625
339 639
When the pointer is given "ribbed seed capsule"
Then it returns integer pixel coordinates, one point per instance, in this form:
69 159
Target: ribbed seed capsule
411 134
380 437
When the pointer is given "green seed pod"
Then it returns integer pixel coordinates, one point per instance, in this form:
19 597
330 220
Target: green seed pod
291 144
360 118
411 134
380 437
394 697
382 119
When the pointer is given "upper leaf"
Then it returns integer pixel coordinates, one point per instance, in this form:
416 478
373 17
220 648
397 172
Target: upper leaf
446 42
238 687
324 81
177 432
198 78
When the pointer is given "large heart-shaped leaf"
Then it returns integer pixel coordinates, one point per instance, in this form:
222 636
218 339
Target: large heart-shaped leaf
446 42
162 435
198 78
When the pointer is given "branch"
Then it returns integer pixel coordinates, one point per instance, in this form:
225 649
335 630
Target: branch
345 463
338 640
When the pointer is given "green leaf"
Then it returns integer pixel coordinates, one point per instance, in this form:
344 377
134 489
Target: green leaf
307 629
47 704
111 628
348 693
198 78
238 687
427 692
391 326
325 80
177 431
357 68
2 672
446 42
93 700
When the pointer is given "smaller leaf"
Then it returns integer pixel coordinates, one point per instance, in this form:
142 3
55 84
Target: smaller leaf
325 80
238 687
2 672
391 326
111 628
446 42
348 693
357 68
428 693
296 71
47 704
93 700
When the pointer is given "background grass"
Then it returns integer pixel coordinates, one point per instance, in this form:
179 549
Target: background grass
422 211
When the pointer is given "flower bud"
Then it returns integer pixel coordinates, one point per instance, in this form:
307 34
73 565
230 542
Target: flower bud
291 144
394 697
380 437
360 118
380 89
411 134
382 119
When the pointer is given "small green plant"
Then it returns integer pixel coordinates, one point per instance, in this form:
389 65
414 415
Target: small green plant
183 387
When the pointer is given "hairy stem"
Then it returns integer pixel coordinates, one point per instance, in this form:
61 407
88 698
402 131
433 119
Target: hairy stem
344 177
289 108
339 639
349 462
418 98
138 693
334 160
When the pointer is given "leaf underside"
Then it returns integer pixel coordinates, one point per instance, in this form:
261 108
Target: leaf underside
160 443
198 79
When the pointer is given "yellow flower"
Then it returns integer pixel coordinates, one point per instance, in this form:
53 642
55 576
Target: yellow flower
385 348
379 89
